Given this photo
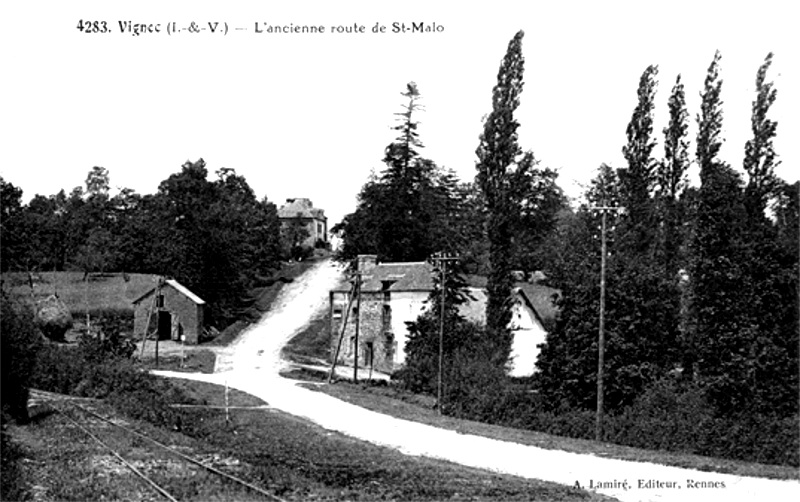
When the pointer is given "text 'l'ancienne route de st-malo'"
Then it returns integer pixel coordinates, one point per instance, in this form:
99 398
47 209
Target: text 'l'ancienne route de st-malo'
137 29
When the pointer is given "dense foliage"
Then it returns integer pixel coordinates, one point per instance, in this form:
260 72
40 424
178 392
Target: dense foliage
213 236
701 317
20 343
412 208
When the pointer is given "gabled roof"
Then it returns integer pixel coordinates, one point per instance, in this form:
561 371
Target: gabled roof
542 301
300 208
401 276
180 288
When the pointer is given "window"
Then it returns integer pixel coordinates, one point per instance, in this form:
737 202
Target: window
387 315
337 313
369 354
160 301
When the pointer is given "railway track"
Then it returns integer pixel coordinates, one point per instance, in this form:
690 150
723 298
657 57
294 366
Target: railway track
167 472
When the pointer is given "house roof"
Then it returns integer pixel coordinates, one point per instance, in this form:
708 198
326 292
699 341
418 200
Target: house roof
417 276
300 208
541 299
178 287
401 276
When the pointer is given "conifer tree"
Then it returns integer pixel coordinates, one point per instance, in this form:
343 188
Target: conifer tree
406 212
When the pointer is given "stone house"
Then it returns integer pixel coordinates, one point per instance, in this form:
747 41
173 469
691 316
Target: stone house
302 212
395 293
176 312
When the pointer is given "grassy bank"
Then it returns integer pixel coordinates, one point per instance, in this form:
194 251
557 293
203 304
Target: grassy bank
262 298
294 459
111 292
388 399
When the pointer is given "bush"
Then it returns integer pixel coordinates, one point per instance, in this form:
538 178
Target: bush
667 416
675 417
100 367
12 482
753 438
109 320
102 347
20 341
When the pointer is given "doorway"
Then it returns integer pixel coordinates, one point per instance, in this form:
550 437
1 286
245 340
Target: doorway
164 325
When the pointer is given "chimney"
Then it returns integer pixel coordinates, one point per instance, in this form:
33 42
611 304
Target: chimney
366 262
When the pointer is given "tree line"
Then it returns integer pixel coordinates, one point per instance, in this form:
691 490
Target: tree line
702 281
214 236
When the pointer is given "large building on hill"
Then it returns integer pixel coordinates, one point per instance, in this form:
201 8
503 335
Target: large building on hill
301 212
395 293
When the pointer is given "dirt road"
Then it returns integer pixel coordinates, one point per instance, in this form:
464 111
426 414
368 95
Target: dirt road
252 364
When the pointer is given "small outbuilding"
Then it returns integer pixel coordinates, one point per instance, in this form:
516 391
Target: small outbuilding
173 311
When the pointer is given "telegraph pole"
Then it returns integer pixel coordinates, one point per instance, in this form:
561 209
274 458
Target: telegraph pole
598 423
358 323
440 260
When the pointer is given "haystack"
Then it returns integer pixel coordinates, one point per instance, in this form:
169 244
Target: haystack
53 318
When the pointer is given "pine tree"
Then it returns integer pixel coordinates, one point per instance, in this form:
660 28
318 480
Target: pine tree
406 212
499 170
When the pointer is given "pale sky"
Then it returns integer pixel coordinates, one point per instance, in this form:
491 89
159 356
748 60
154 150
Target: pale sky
309 115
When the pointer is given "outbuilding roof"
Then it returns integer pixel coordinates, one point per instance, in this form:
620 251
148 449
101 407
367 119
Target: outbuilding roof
180 288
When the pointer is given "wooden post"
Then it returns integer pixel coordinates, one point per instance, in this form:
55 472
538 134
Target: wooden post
601 335
158 294
147 324
341 336
358 324
86 301
598 426
227 405
440 260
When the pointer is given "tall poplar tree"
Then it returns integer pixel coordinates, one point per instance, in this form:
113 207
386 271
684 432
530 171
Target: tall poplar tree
501 167
638 178
760 159
671 174
722 331
770 268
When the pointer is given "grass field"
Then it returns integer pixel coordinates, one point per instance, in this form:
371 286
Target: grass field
289 456
100 293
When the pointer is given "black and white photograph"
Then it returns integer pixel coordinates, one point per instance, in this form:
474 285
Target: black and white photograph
400 251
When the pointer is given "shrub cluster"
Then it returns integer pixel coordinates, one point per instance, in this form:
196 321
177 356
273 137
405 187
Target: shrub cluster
668 416
101 367
109 320
20 341
12 482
